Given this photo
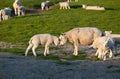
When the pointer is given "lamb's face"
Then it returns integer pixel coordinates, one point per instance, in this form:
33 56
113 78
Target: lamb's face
107 33
83 6
62 39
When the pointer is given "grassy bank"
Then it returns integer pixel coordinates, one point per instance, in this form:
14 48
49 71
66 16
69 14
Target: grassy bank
20 29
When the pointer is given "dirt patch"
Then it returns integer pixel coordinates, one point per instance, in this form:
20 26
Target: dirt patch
20 67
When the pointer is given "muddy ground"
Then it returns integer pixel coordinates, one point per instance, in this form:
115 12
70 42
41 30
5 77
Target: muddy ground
20 67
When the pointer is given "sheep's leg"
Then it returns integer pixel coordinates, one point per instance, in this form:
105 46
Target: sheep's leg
33 49
45 51
61 7
75 49
68 7
48 50
100 54
97 53
29 47
42 8
23 13
111 54
19 12
104 58
3 17
46 7
15 11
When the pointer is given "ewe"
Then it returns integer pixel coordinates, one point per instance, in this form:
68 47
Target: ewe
42 39
92 7
105 46
83 36
64 5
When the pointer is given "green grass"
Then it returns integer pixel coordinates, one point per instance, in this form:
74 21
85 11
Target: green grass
20 29
13 50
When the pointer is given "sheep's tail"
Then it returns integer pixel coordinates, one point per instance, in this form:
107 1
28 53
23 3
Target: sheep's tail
30 42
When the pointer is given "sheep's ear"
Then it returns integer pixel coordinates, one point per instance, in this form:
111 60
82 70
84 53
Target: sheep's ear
62 33
105 31
108 31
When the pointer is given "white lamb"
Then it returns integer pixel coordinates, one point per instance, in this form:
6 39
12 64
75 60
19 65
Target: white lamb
0 16
116 37
16 5
42 39
92 7
45 5
105 46
5 13
21 10
64 5
71 0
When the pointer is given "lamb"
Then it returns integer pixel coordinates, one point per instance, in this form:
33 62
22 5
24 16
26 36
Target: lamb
42 39
64 5
105 46
83 36
0 16
116 37
5 13
45 5
92 7
16 6
21 10
71 0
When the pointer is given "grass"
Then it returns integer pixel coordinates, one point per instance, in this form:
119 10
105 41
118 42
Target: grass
20 29
13 50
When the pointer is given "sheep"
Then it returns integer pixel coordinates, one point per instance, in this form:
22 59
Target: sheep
105 46
5 13
116 37
0 15
92 7
41 39
16 5
21 10
83 36
71 0
45 5
64 5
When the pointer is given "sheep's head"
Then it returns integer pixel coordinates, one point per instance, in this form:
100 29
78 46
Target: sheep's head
107 33
83 6
62 39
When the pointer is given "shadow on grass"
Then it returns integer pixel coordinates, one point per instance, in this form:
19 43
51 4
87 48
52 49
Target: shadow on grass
110 9
75 6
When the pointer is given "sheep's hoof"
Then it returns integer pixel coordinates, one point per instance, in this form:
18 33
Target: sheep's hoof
75 54
25 54
35 55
